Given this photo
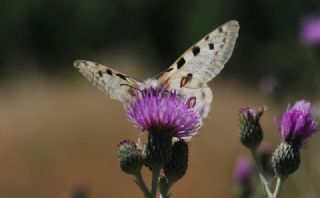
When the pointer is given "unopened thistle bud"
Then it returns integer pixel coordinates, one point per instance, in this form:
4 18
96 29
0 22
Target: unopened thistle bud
296 126
177 167
80 190
264 157
251 133
130 157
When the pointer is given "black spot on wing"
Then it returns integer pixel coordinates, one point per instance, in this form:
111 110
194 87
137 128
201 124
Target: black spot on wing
189 75
207 37
100 73
181 62
220 29
211 46
109 72
169 69
121 76
195 50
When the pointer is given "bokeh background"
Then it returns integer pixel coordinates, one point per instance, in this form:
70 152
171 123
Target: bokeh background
58 134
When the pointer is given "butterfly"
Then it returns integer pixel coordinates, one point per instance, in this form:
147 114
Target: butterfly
188 75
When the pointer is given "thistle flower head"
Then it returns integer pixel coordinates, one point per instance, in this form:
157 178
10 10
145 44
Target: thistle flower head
243 170
248 113
297 124
310 30
251 114
157 108
250 130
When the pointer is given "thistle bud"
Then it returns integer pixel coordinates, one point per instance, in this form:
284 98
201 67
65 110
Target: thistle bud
177 167
286 159
264 157
79 190
251 133
130 157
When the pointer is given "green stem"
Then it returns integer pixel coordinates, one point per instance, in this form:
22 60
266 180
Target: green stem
278 187
142 185
164 190
261 174
154 184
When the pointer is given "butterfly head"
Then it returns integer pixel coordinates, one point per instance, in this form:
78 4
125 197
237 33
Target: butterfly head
150 83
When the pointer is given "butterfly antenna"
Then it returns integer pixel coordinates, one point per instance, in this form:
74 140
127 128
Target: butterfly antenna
132 87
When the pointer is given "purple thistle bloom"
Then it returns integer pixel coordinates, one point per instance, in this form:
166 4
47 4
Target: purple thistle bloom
297 123
310 30
162 109
243 170
249 113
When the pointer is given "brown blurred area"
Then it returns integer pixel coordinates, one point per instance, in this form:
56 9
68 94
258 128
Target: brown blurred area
58 136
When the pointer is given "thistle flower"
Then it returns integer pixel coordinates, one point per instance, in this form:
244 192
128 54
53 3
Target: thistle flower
296 127
243 173
157 108
297 124
130 157
310 30
250 130
164 114
243 170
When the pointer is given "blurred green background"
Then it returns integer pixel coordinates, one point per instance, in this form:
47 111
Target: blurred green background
57 131
47 36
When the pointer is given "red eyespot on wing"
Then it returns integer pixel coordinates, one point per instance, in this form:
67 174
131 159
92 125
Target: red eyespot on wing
184 81
166 82
192 102
132 92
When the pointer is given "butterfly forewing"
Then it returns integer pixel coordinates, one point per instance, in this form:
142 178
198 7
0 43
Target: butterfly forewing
199 64
207 57
114 84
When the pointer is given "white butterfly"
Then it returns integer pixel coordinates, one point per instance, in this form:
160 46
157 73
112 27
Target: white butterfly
189 74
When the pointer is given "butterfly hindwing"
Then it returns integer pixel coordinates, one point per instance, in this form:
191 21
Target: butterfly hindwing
114 84
195 87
